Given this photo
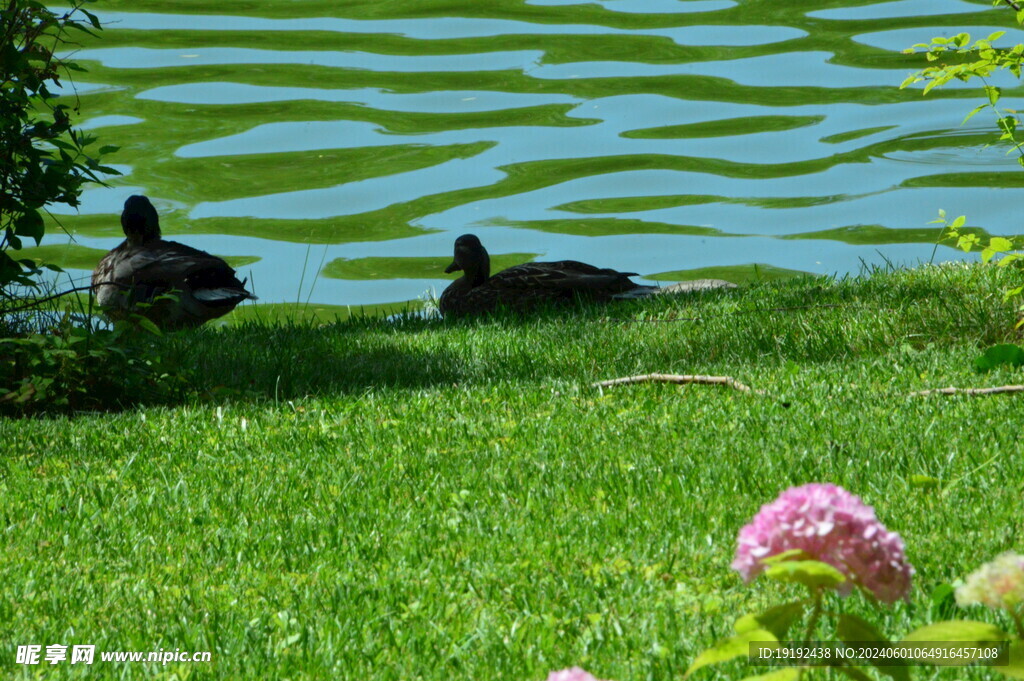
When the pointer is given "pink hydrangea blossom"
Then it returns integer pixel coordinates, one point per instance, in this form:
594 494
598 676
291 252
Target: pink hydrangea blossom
833 526
574 674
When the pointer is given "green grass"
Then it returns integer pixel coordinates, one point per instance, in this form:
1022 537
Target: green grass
431 500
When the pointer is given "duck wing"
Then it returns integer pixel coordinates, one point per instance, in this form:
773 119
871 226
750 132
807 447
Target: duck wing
564 275
117 281
205 286
526 286
167 265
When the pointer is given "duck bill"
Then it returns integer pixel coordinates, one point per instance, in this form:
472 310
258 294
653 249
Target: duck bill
454 267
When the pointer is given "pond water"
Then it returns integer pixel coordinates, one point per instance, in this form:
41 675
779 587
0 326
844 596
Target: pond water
332 151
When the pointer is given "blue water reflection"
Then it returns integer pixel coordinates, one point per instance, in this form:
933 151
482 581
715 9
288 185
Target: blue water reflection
702 136
451 28
443 101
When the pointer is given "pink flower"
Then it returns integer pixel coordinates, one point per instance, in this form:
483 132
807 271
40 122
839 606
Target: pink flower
574 674
833 526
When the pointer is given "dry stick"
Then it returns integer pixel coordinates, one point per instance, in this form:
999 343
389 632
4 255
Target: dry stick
39 301
678 378
731 382
971 391
1013 4
684 379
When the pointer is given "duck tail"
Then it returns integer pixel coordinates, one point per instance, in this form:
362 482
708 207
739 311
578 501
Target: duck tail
222 295
636 292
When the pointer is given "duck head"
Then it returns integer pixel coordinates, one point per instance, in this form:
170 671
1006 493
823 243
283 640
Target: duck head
471 257
139 220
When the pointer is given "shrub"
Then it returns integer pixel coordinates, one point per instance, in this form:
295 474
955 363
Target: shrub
42 157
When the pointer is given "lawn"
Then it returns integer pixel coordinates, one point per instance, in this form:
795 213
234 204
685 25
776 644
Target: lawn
416 499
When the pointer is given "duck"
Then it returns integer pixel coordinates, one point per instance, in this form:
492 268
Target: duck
145 266
529 285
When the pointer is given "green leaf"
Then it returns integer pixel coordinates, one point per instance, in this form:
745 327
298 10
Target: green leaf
777 620
792 554
943 598
956 634
148 325
811 573
1012 292
974 111
92 18
959 632
924 482
855 629
966 242
79 27
1002 354
13 240
730 649
30 224
910 80
993 94
1000 244
958 222
1015 668
61 144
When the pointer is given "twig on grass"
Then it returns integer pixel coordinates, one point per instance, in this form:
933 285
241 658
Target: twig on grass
970 391
684 379
681 379
39 301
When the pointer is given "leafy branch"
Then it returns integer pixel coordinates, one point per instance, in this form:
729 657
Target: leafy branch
982 61
997 246
43 158
977 60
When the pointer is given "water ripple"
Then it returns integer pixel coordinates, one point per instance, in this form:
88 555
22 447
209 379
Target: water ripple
437 101
148 58
896 10
649 135
451 28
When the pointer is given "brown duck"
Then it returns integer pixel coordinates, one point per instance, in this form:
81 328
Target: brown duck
528 285
144 266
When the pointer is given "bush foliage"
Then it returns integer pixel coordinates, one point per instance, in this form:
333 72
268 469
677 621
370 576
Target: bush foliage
43 159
